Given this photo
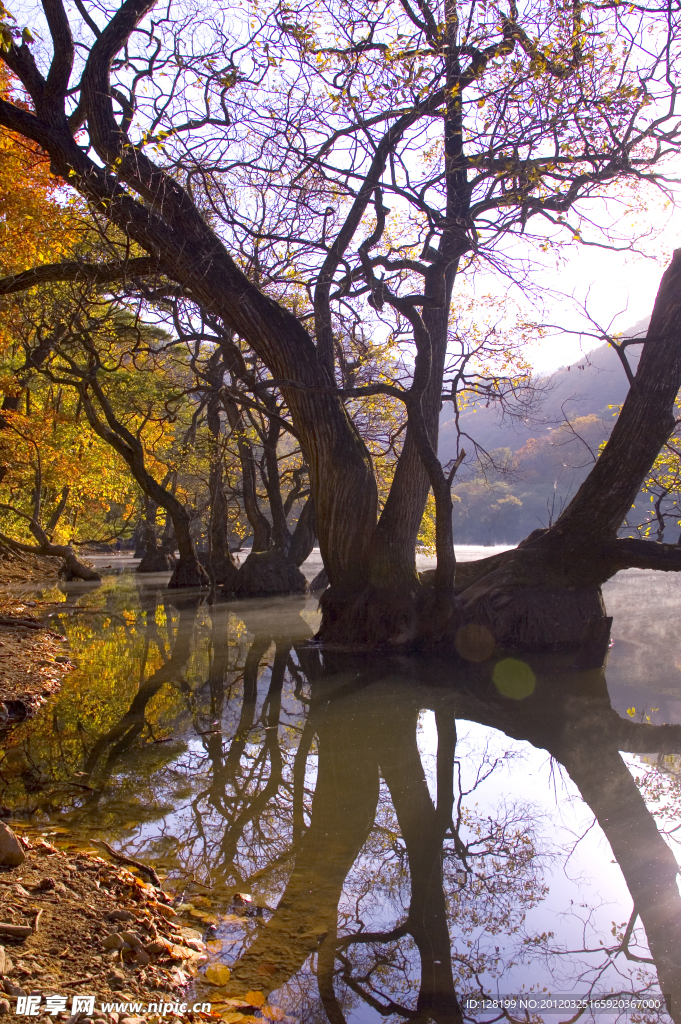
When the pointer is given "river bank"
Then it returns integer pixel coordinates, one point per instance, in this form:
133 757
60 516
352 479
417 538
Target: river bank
87 940
33 660
73 924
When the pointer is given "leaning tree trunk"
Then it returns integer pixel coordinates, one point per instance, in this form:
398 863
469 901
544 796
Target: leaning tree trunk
73 568
547 591
153 210
188 572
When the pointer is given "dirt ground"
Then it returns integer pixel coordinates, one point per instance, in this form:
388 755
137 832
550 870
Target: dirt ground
82 905
33 660
98 929
20 567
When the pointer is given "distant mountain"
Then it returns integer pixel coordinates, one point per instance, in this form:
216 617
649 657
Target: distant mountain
545 458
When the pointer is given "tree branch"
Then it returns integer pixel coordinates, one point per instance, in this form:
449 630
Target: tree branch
96 273
633 553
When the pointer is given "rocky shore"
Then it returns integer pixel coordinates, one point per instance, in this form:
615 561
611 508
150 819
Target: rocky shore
76 925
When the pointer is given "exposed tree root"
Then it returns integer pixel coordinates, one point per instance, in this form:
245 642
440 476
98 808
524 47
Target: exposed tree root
537 596
265 574
71 569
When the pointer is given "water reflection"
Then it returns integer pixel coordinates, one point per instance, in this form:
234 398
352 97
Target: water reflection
408 836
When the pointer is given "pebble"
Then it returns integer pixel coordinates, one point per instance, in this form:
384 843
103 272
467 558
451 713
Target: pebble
4 1006
120 915
132 940
114 941
115 979
13 990
11 851
157 948
45 884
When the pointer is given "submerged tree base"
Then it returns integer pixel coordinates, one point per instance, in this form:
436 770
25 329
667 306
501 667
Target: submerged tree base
188 572
221 570
539 596
156 561
266 574
420 619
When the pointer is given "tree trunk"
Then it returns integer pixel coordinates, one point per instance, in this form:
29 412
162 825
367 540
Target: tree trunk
73 569
188 572
154 559
643 426
262 530
281 535
190 252
153 210
547 591
220 565
393 559
304 534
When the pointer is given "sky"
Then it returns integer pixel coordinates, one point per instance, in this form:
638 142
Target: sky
619 289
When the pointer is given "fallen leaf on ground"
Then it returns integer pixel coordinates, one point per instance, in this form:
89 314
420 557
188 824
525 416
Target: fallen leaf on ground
255 998
217 974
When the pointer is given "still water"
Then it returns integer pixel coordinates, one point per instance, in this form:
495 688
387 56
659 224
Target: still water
410 836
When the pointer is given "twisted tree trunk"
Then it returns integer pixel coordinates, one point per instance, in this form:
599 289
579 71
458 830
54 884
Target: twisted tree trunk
73 568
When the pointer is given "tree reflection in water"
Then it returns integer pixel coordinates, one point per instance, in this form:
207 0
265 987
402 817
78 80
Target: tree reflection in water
239 758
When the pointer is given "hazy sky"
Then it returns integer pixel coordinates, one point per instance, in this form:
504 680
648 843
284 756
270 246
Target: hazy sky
613 285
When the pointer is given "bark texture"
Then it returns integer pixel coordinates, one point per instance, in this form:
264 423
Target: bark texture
266 573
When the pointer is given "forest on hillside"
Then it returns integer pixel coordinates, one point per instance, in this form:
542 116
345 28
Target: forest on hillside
527 469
